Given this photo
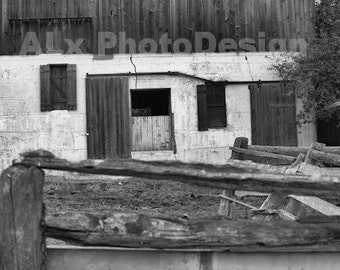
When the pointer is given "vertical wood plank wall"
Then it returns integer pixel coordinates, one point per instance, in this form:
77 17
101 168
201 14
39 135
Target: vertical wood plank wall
234 19
152 133
108 118
273 114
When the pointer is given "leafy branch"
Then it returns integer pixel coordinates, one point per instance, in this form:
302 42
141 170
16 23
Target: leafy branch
315 77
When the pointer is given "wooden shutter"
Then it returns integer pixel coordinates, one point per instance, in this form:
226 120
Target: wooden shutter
45 88
273 115
72 87
202 107
108 118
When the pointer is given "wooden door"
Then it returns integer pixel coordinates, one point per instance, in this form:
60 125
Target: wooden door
108 118
273 115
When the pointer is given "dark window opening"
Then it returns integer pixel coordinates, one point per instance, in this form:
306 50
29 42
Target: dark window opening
211 105
216 107
150 102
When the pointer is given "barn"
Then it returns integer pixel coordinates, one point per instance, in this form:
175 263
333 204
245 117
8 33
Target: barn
149 80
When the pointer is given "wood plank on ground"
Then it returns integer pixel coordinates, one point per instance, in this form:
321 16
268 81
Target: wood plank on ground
318 205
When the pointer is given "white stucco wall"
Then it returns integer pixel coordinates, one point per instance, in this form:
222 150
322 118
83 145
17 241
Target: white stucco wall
23 127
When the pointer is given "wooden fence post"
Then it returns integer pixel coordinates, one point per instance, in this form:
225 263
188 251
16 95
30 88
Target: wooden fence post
226 206
22 243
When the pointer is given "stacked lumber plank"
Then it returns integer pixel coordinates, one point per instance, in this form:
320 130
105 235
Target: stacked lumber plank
308 161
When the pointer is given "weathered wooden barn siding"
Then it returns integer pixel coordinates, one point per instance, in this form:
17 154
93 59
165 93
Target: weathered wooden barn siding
151 133
140 19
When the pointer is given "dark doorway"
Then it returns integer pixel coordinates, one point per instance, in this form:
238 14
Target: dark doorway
329 132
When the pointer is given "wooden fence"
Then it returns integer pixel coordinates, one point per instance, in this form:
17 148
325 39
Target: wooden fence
23 223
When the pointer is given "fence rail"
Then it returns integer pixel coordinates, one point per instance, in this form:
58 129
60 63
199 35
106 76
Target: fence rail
24 225
229 176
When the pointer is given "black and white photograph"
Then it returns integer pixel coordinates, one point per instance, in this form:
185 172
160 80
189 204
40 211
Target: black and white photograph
169 134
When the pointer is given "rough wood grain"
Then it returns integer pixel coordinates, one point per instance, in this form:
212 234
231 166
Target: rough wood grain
222 177
150 19
272 202
21 213
318 205
294 168
290 151
314 146
238 202
250 165
294 207
314 170
264 155
240 142
327 158
227 206
147 231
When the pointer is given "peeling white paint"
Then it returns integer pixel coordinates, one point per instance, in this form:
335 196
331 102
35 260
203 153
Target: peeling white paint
23 127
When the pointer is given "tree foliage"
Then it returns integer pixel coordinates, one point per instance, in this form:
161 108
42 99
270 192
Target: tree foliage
315 77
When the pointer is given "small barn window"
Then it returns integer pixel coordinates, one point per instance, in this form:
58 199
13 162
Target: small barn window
211 106
58 87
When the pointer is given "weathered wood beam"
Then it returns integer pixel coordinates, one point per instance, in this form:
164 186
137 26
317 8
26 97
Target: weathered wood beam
222 177
281 150
291 151
318 205
272 215
264 155
309 169
224 197
314 147
148 231
272 202
22 242
226 206
250 165
328 158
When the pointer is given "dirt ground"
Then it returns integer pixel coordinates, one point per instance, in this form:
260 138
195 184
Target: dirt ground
131 195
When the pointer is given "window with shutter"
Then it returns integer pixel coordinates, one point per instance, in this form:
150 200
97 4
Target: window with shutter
211 106
58 87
